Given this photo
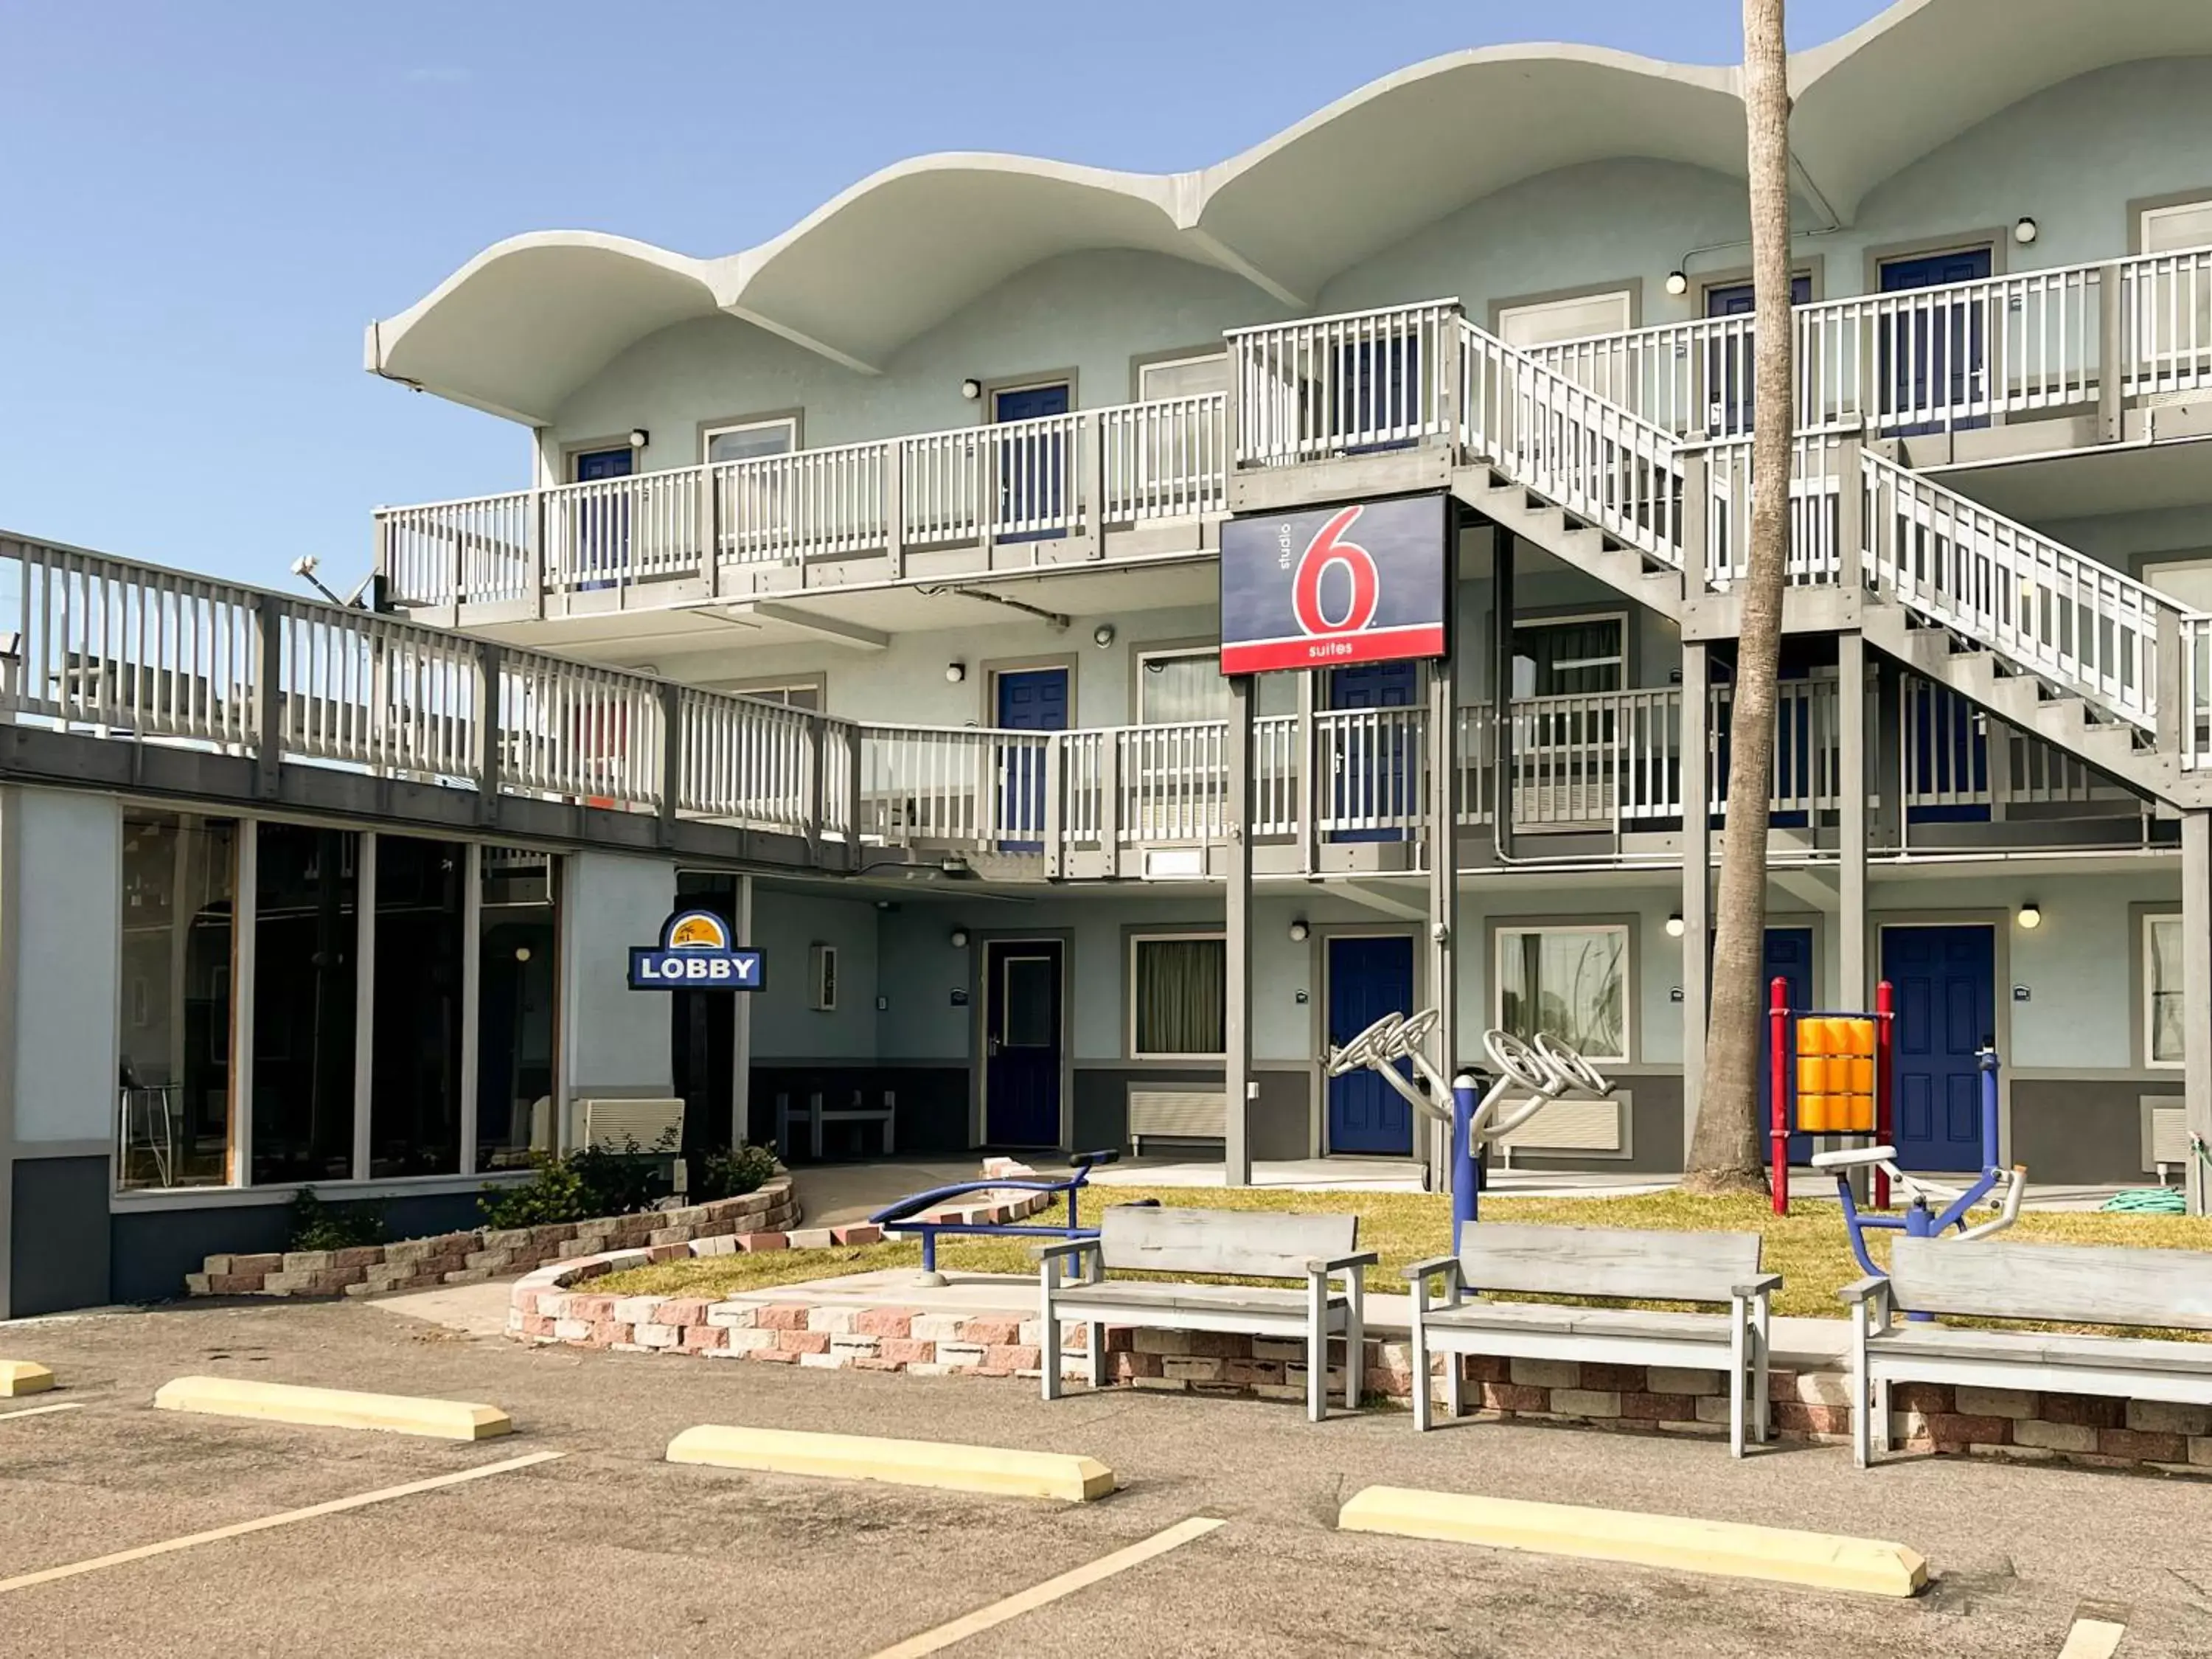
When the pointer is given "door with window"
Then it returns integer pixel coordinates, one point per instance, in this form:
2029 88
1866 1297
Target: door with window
1029 700
1931 368
1945 983
1728 358
1033 464
1021 1042
1367 978
599 518
1375 760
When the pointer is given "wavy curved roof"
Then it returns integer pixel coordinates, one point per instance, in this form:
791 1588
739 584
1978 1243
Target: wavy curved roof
531 319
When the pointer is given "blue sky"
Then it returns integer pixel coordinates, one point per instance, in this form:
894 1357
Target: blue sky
209 201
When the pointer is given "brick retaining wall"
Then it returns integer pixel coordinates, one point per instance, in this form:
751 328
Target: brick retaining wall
759 1220
553 1306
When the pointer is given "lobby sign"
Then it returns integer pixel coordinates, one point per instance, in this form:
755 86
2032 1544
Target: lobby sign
695 954
1335 585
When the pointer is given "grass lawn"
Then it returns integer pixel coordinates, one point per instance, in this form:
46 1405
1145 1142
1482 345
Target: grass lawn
1808 1248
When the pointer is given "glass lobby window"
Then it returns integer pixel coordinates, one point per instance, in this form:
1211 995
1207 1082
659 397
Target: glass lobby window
2162 990
517 940
1178 997
415 1037
179 898
1567 983
306 938
1574 654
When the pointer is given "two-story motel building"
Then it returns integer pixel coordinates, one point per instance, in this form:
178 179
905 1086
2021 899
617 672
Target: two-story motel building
895 542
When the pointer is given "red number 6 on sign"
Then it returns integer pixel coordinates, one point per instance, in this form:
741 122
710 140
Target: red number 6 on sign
1330 548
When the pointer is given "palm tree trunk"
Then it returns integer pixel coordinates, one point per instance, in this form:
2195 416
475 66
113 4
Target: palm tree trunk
1725 1151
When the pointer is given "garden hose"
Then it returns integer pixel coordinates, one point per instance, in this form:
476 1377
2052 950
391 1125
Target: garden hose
2158 1201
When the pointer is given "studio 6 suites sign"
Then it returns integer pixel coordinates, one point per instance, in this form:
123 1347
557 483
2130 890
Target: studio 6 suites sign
1363 583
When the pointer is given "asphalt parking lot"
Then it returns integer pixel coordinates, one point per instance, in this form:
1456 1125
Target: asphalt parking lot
606 1548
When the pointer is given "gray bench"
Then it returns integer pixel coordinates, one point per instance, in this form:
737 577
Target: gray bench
1605 1262
1316 1250
2064 1283
814 1114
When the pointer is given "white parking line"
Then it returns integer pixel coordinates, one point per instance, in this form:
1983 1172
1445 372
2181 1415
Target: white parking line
2092 1638
336 1506
40 1411
936 1641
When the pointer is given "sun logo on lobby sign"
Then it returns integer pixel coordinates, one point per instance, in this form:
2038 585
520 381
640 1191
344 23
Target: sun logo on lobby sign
697 930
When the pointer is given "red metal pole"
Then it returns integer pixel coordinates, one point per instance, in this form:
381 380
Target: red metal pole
1777 1078
1884 1017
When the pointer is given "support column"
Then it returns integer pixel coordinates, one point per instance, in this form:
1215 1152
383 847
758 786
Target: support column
1696 876
2196 992
1237 1082
1885 754
741 1029
1853 777
1442 835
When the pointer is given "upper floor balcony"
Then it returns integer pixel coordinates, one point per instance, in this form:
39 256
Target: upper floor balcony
134 655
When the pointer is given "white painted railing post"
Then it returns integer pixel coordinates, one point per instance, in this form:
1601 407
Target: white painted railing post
1110 804
2112 350
1091 469
488 739
710 531
267 693
894 506
818 757
2172 724
1851 514
670 697
1055 813
536 574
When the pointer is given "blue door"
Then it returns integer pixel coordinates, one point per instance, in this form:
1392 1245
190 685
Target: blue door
1945 981
1375 765
1933 358
1729 362
599 531
1033 465
1021 1040
1788 957
1029 700
1367 978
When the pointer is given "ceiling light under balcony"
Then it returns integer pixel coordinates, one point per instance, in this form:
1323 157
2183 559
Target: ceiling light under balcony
2025 230
638 437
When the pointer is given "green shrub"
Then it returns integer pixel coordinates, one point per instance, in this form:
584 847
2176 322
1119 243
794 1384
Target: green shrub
619 1182
319 1226
553 1193
733 1174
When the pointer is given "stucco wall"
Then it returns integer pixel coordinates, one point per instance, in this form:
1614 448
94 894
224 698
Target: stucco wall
615 1040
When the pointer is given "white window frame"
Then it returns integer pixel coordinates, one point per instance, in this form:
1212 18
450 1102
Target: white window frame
1162 935
2150 216
1618 618
1504 930
1182 361
1167 654
1626 297
708 435
2146 1017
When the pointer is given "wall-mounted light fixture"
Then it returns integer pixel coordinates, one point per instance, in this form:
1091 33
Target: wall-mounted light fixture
2030 915
1103 636
2025 230
1299 931
522 953
638 437
1678 282
971 389
960 938
1675 926
955 671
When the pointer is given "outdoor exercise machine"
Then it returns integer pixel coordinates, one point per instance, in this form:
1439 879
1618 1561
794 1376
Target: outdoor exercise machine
2000 1188
1547 1070
904 1216
1838 1066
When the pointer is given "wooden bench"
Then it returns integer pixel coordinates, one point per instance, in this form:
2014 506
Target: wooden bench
814 1114
1609 1263
1313 1249
2064 1283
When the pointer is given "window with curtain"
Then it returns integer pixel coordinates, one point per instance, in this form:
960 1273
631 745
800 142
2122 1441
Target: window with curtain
1178 997
1566 983
2162 990
1578 654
